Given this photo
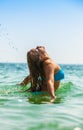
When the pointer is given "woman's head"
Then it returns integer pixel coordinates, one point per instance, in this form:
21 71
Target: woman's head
42 53
37 55
33 55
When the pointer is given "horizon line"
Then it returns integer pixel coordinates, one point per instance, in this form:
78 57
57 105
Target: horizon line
26 63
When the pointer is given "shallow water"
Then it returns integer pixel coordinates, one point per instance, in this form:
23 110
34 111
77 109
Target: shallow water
26 111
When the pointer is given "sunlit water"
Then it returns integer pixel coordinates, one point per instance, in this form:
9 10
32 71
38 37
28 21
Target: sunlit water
26 111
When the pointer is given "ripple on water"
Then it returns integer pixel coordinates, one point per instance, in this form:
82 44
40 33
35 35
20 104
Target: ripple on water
25 111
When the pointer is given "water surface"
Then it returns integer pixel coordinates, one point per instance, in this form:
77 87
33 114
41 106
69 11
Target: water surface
27 111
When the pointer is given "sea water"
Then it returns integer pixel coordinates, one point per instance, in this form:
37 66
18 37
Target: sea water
21 110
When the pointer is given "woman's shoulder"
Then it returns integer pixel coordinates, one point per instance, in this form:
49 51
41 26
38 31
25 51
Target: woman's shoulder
48 61
49 64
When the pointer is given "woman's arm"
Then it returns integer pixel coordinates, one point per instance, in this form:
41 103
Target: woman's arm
49 74
26 81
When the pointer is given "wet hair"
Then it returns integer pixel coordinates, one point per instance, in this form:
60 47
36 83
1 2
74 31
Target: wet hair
32 59
35 59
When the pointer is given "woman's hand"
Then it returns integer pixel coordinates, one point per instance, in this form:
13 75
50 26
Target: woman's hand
53 99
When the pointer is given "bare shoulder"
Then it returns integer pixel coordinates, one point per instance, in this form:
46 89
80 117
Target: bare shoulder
48 66
48 63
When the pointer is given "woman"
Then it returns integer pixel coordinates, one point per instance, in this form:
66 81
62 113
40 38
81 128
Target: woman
45 74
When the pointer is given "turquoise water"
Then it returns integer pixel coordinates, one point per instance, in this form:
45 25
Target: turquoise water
26 111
